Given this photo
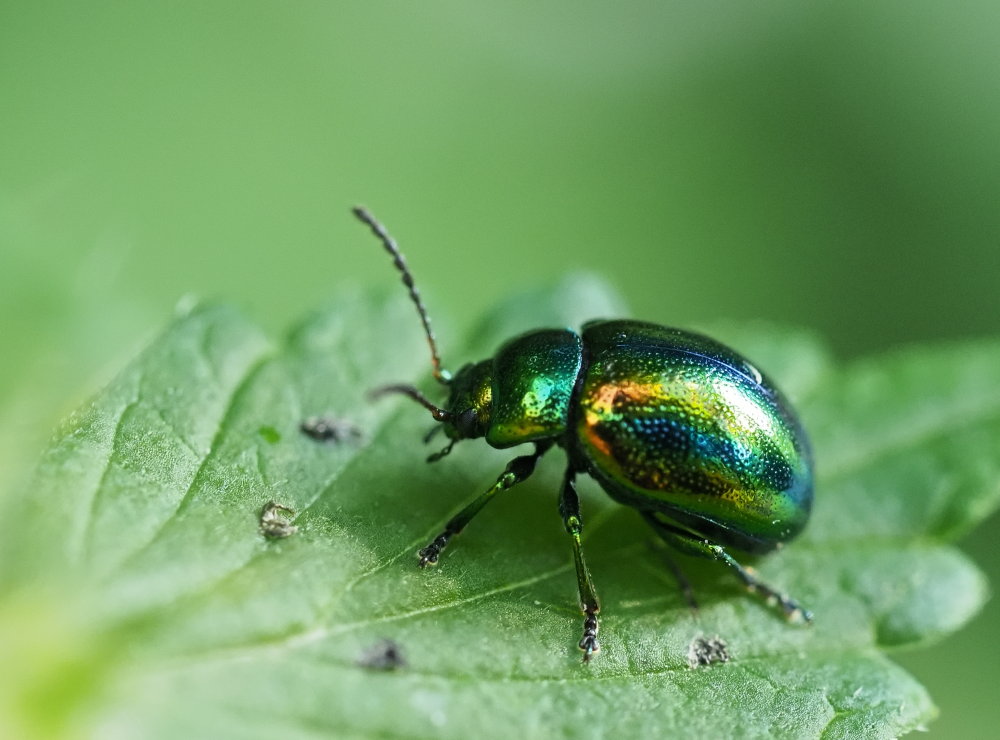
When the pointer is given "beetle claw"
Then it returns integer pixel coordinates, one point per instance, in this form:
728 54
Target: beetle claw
429 555
800 615
589 646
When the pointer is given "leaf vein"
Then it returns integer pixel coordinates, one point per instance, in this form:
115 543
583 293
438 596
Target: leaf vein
249 375
87 534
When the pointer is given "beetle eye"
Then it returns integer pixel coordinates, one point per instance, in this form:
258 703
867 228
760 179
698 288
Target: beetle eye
465 422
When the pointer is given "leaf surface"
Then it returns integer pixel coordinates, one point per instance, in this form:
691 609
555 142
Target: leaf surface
147 601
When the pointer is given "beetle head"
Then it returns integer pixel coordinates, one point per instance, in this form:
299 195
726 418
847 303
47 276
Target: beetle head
469 408
471 402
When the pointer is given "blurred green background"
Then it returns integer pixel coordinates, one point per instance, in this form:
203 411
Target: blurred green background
832 167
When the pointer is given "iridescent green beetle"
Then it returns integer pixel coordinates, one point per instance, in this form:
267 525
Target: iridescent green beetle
673 424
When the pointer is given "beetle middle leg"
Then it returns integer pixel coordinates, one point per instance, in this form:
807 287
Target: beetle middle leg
687 591
569 507
693 545
517 471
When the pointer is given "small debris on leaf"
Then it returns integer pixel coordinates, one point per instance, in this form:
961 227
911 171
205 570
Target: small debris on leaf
274 523
707 651
384 655
328 429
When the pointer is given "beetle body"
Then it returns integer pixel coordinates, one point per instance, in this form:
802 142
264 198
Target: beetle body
670 423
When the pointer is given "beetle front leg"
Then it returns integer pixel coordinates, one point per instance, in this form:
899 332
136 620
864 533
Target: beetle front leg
517 471
693 545
569 508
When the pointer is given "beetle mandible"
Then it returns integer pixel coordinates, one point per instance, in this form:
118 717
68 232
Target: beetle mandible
671 423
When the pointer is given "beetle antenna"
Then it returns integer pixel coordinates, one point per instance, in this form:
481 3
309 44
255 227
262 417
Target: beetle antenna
438 413
440 375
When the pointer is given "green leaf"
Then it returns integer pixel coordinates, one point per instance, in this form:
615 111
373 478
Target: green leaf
145 600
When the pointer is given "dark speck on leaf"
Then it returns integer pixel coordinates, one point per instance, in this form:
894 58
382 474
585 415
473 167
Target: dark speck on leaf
707 651
273 522
327 429
384 655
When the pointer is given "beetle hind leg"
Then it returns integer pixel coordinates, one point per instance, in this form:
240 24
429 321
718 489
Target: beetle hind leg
693 545
792 609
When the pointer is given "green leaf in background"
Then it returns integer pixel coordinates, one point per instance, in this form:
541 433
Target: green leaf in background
140 598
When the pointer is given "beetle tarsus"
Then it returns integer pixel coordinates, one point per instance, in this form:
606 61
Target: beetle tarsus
441 453
589 644
794 612
429 555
